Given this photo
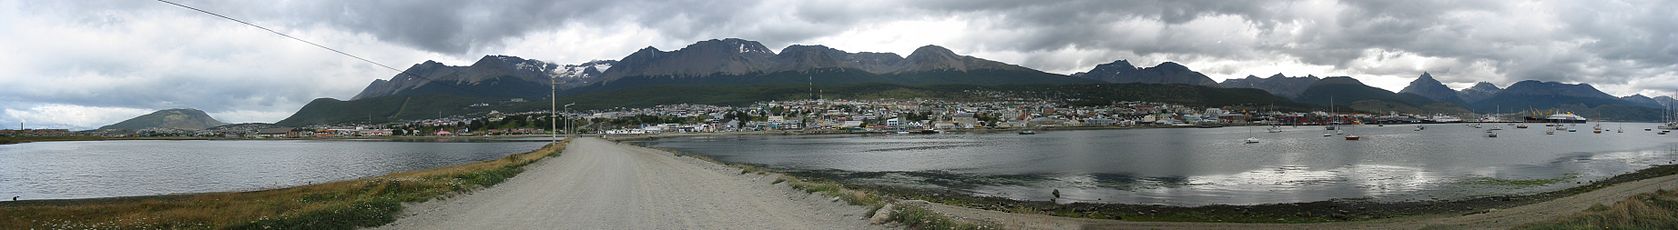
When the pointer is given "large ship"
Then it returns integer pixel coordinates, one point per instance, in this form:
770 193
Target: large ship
1558 118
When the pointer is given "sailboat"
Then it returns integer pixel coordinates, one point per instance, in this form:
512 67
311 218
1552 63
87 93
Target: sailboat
1336 121
1026 117
1250 139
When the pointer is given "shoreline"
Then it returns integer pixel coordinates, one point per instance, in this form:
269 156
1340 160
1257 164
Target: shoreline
1328 211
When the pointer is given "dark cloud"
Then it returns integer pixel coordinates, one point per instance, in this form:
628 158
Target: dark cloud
1624 46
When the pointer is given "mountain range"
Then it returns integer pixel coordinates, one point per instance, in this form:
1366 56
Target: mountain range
188 119
1165 73
740 71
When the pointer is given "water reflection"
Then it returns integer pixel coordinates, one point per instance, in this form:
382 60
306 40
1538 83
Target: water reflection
57 170
1210 166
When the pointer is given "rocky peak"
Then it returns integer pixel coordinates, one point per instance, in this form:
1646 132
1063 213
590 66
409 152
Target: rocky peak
931 57
1484 86
1426 86
1277 84
729 45
1121 71
1480 91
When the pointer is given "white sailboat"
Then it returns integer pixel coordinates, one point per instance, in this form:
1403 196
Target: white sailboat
1250 138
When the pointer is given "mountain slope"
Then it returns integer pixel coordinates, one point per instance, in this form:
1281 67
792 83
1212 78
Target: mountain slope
1545 95
1640 100
1122 71
737 57
1426 86
723 66
1349 92
1480 91
1279 85
189 119
503 76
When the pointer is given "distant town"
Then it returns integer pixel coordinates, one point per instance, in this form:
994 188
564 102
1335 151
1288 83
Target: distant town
817 116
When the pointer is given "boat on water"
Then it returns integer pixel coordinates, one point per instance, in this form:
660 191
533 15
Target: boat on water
1251 140
928 131
1521 126
1442 118
1028 132
1420 128
1559 118
1353 137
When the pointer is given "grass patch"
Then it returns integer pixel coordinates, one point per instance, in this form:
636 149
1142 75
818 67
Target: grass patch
1656 210
920 218
346 204
1520 182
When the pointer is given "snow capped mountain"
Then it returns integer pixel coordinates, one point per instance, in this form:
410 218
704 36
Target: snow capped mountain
735 57
492 69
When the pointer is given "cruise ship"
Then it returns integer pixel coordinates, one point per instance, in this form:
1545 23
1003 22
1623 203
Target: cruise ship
1442 118
1559 118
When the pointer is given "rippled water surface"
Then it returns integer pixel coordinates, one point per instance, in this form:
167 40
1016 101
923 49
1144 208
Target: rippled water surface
1212 166
87 169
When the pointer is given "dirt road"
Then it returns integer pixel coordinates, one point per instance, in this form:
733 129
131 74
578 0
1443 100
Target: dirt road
599 184
1495 219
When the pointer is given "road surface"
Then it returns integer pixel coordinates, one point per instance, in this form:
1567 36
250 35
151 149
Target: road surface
599 184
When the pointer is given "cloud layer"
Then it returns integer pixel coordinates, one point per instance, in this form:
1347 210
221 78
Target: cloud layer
112 59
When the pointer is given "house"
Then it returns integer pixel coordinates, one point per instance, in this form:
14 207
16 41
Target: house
273 133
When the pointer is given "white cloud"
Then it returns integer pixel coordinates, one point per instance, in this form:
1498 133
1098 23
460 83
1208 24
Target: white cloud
147 55
62 116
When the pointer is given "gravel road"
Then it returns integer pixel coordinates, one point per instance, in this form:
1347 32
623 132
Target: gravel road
599 184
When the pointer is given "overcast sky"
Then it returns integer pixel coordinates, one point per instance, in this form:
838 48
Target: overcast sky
84 64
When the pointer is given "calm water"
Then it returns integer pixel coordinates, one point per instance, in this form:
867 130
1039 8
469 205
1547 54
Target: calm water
56 170
1213 166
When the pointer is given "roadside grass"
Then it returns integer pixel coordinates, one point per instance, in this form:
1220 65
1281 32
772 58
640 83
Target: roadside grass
1655 210
919 218
349 204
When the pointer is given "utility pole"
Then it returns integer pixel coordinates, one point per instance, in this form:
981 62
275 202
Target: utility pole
553 110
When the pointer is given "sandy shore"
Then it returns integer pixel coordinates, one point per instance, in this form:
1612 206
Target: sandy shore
598 184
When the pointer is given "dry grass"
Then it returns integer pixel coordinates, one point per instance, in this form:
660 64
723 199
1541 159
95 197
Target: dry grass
336 205
1656 210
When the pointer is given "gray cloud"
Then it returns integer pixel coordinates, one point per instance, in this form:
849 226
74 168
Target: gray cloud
141 55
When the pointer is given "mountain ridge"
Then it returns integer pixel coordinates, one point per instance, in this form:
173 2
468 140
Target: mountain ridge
182 118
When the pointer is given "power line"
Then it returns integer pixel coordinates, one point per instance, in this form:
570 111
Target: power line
398 71
282 35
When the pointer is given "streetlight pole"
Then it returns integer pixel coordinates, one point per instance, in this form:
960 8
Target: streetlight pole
568 128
